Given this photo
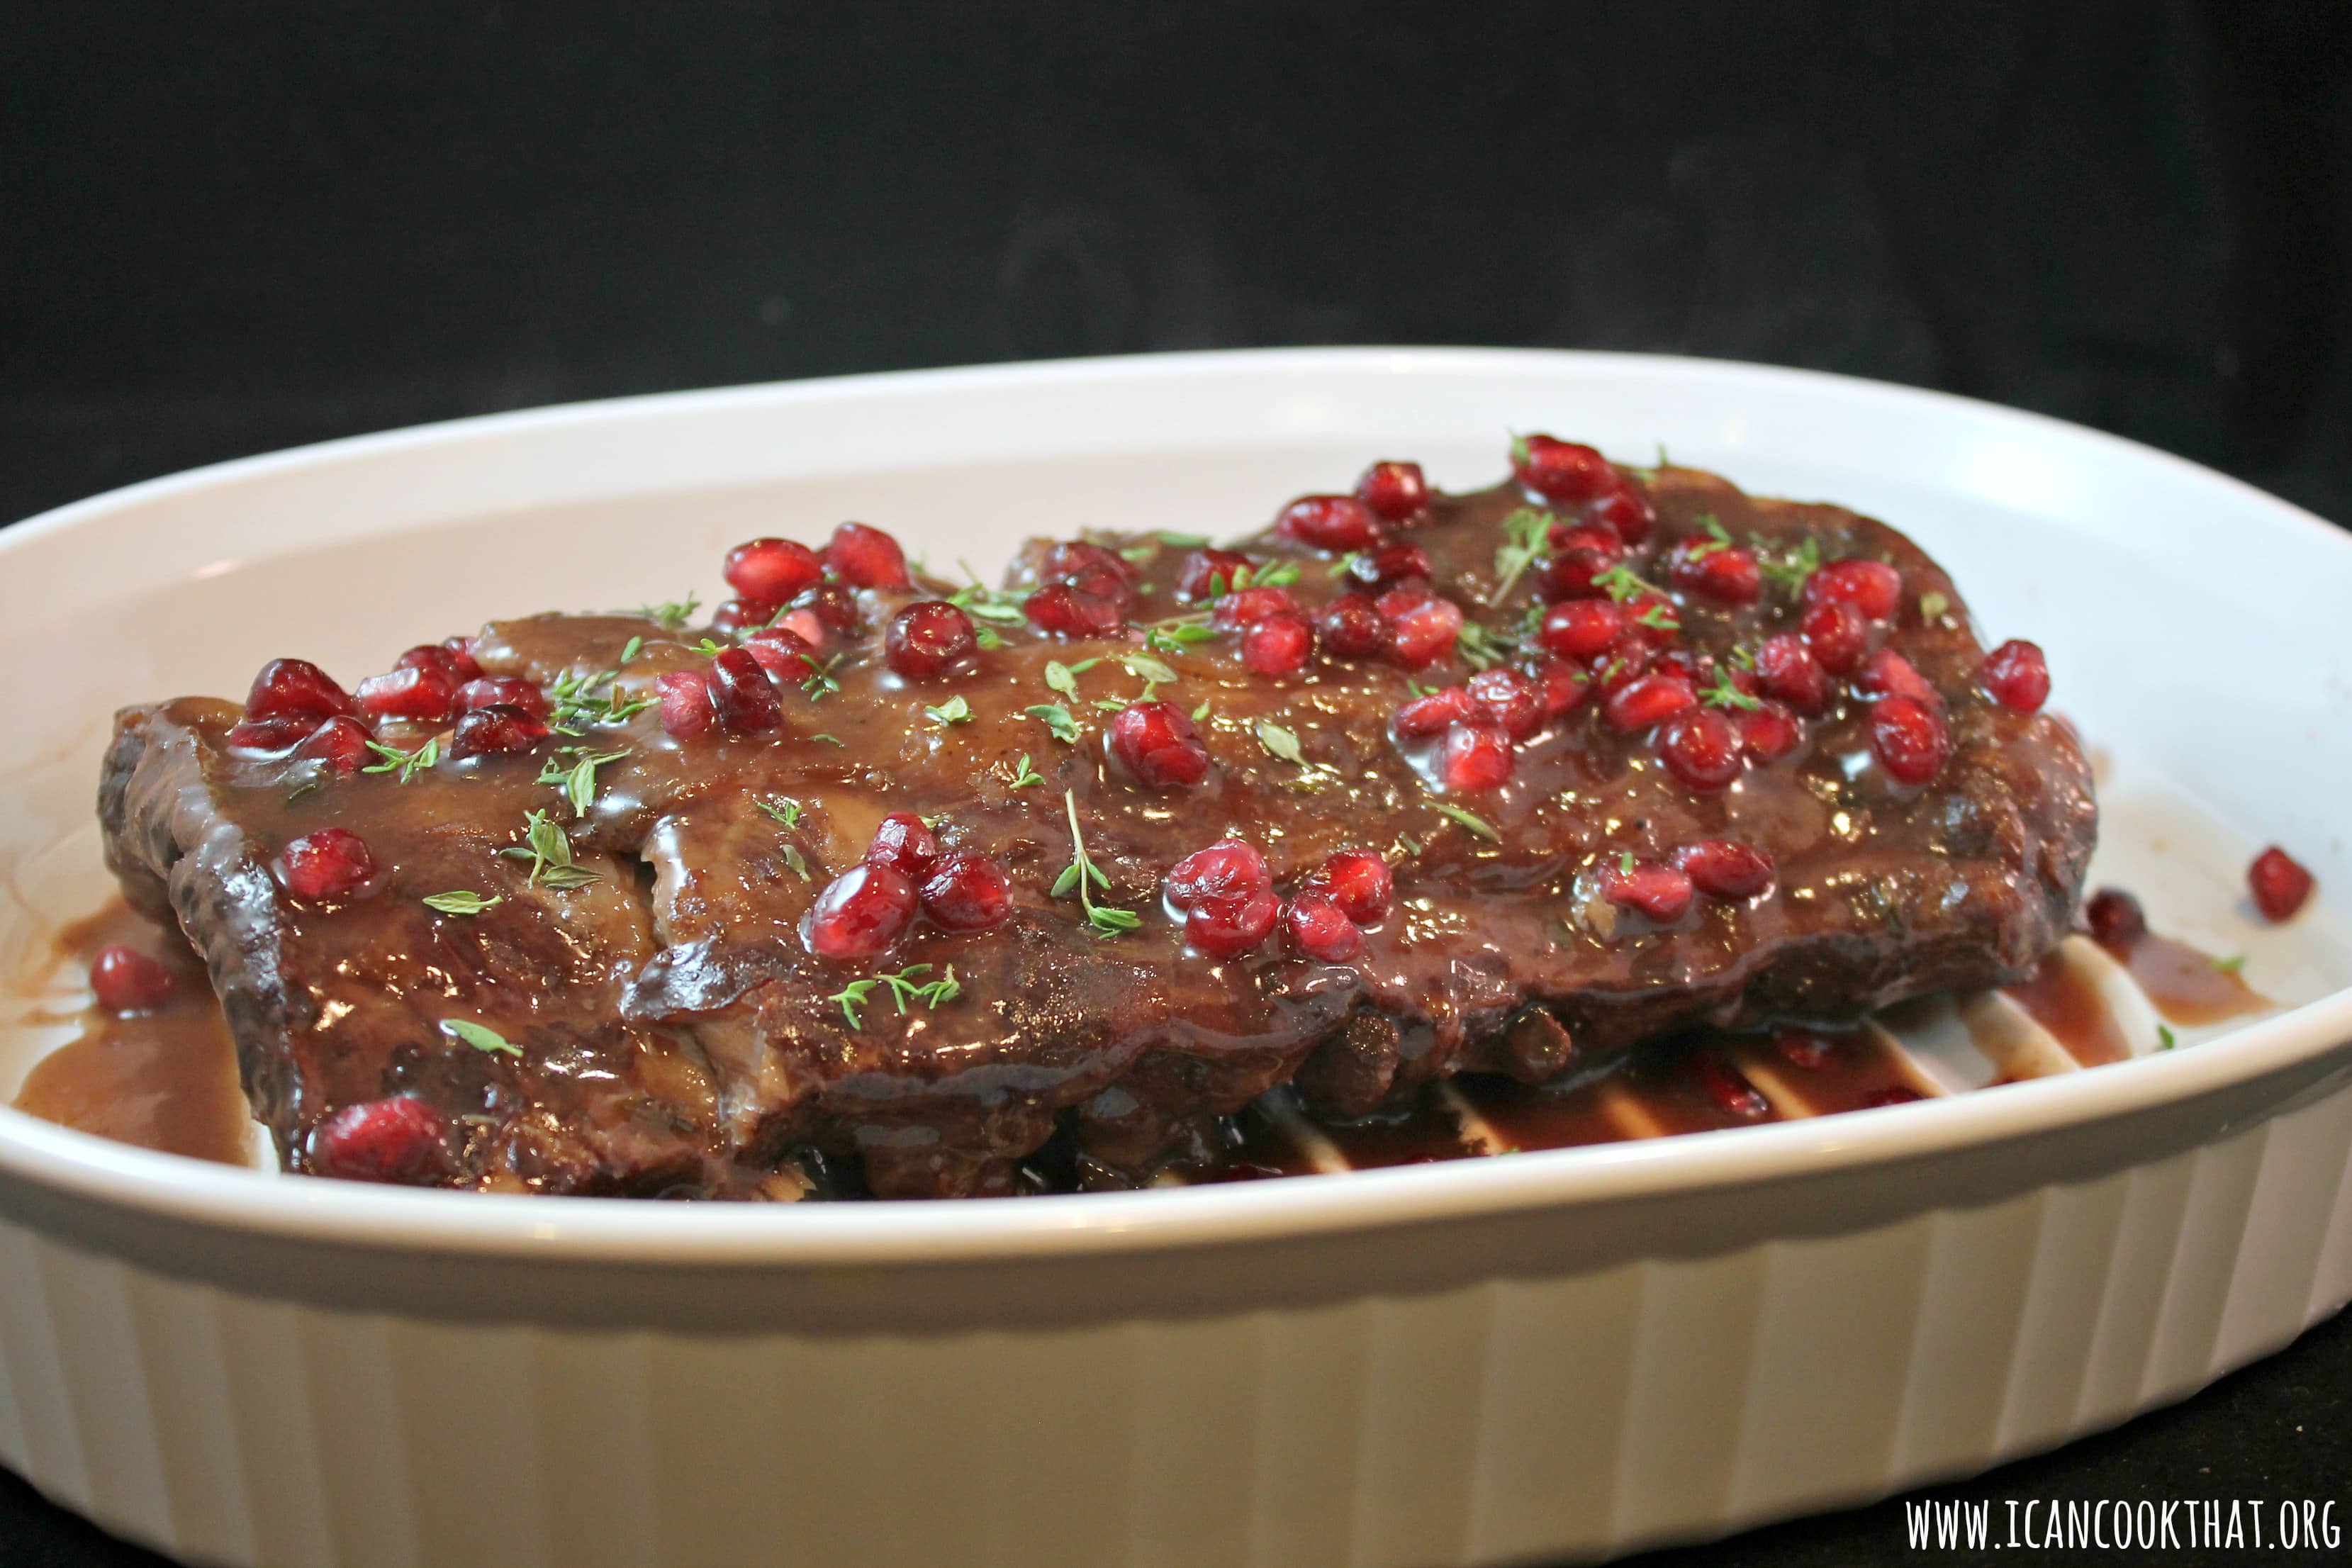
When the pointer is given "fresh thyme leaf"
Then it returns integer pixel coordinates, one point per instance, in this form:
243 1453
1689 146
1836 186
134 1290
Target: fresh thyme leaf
1110 922
1625 861
1527 534
1060 677
1173 636
954 710
577 782
904 989
1480 648
1471 820
2164 1039
549 849
783 808
711 647
829 739
1741 659
1933 605
1418 689
1055 718
797 861
1658 617
1723 694
1027 776
486 1040
1136 555
311 785
987 638
1146 668
2232 964
1202 711
462 902
821 682
1111 704
671 617
1788 570
994 609
1411 845
1341 567
1183 540
1621 582
630 649
1279 742
407 764
1281 575
1080 872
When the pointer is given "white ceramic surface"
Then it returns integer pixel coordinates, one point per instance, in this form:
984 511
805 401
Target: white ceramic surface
1492 1360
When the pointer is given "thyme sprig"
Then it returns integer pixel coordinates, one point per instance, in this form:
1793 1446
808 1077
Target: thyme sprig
1081 871
549 849
407 764
1526 535
904 989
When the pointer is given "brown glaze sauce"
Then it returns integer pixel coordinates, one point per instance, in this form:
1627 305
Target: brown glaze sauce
165 1080
2066 1001
2187 984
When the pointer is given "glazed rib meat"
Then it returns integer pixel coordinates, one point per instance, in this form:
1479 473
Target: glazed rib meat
1636 752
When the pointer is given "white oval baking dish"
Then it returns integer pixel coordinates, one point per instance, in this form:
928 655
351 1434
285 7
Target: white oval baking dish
1565 1354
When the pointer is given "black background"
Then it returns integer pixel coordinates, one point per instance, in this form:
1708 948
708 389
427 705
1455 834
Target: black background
229 228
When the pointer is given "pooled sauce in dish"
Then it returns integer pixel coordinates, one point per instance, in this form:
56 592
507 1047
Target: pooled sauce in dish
2066 1001
2186 985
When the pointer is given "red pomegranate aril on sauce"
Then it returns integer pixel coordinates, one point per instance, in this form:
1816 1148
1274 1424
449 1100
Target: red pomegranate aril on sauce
1625 511
434 656
292 687
860 913
397 1140
1872 587
1562 686
905 845
1648 700
125 980
331 863
685 704
500 727
1229 927
1581 628
1278 645
2279 883
835 609
1321 931
462 663
1426 625
1701 748
1567 472
1663 893
1067 612
1431 715
1156 743
1210 573
1888 674
1583 555
1724 869
864 557
424 694
1388 563
784 653
1510 700
1625 662
1911 739
1359 882
776 571
1350 626
743 696
1226 869
1112 587
512 692
1677 662
1476 756
1082 561
1393 490
2115 921
1726 1088
1329 523
1837 634
1247 607
1652 618
968 892
928 638
1726 576
2017 677
1768 731
273 734
1789 671
341 742
741 615
1803 1047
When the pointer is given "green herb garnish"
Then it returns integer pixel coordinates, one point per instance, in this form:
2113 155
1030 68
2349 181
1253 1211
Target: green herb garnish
1027 774
1471 820
1527 534
407 764
1080 872
462 902
1724 694
577 782
549 849
903 990
671 617
954 710
482 1039
1055 718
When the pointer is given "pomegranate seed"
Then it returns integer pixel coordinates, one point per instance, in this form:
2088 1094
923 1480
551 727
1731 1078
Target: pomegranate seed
1678 662
741 614
1476 756
1724 869
1510 700
784 653
1427 627
1393 490
1836 634
863 557
1229 927
860 913
1648 700
500 727
126 980
1911 739
776 571
1790 672
1159 745
2279 882
1068 611
1351 628
1359 882
2017 675
1661 893
1228 868
968 892
1563 687
1278 645
425 694
510 691
1872 587
1571 570
462 663
1211 574
1893 1094
1726 1088
1701 748
905 845
398 1140
685 703
1627 661
1888 674
1329 523
836 610
2116 920
1385 565
1624 509
1563 471
927 639
1768 731
1726 577
1321 931
742 696
1653 619
272 734
1247 607
293 687
1082 564
340 743
327 864
1803 1047
1431 715
434 656
1580 628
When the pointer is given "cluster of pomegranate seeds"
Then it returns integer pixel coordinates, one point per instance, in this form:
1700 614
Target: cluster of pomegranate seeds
2017 677
1226 897
772 571
1725 869
2116 920
290 698
1872 587
1090 569
1661 893
1888 674
1768 731
1580 557
1394 491
1068 611
927 639
125 980
861 912
395 1140
500 727
1623 512
1329 523
1510 700
506 690
1426 716
422 694
2279 882
868 907
1158 744
863 557
1359 882
331 863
